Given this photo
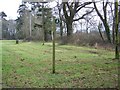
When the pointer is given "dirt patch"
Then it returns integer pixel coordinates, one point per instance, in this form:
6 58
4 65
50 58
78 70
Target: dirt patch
93 52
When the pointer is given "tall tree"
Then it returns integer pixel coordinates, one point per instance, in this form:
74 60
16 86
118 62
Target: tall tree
3 14
70 9
19 32
99 28
104 18
60 16
119 24
113 21
24 18
5 32
45 14
116 31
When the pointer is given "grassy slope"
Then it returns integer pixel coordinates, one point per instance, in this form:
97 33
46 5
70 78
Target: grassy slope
30 65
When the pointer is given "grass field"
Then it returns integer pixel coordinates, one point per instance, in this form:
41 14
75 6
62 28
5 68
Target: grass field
29 65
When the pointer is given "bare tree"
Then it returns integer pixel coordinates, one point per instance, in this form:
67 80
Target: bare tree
113 22
60 16
70 9
99 28
104 18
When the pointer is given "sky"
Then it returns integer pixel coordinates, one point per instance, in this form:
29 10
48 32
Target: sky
10 7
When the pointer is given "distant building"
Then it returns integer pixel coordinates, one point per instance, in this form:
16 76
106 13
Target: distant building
7 29
4 29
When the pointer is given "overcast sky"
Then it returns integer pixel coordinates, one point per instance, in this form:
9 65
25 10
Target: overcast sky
10 7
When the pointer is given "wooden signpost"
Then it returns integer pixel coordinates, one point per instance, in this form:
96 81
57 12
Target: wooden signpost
55 21
53 39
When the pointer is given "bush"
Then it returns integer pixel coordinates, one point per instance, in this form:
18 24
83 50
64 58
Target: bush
83 39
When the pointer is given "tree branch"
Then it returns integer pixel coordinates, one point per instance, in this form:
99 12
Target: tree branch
70 7
82 17
64 10
97 11
83 5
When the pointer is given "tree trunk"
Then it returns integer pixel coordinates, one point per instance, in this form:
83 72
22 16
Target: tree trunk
116 31
61 29
113 31
45 36
17 41
107 29
101 33
104 20
69 28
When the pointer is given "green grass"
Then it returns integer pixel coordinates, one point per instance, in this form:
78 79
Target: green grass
29 65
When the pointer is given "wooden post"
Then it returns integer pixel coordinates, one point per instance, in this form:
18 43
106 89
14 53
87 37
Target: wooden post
53 39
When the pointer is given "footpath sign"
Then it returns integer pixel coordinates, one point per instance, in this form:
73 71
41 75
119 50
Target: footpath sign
57 21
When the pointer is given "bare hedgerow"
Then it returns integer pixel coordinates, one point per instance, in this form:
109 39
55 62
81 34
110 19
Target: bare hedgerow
82 39
87 39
